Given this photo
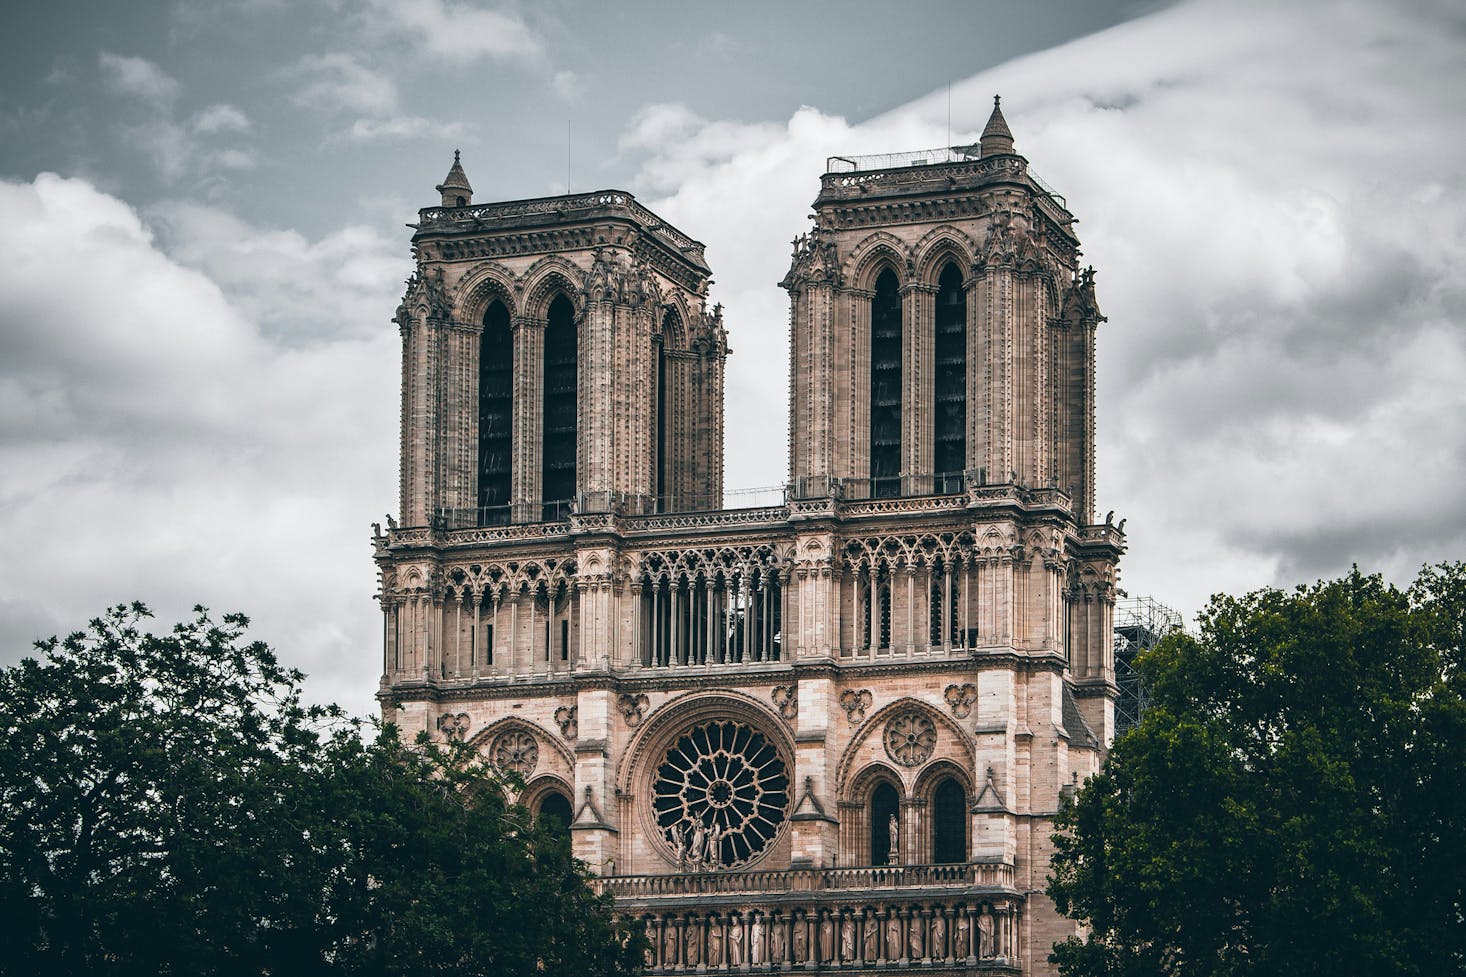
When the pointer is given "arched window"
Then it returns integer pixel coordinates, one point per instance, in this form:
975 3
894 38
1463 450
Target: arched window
495 409
555 813
557 472
949 452
884 805
885 386
949 822
663 489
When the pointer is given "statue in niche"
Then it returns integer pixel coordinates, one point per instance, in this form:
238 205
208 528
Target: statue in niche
677 834
669 945
735 942
962 932
756 941
692 941
699 844
914 941
985 935
847 938
872 940
776 939
939 935
827 939
713 858
715 942
893 831
893 937
801 941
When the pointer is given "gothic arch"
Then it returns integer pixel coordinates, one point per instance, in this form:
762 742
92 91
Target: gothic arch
479 286
875 726
874 253
859 789
940 245
547 277
936 770
541 784
544 738
675 314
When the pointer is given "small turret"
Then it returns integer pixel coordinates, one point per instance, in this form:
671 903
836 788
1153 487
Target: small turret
455 188
997 138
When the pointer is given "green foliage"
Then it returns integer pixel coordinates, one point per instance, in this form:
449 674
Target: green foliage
168 805
1292 801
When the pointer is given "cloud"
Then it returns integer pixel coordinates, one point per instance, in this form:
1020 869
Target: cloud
137 77
460 31
193 428
221 118
339 81
1276 213
567 86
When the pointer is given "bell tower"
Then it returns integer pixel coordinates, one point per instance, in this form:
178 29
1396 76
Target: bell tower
558 356
942 329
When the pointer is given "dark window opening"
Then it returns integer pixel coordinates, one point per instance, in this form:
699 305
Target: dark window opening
555 813
884 805
564 640
949 822
949 455
662 441
557 474
489 645
885 387
495 408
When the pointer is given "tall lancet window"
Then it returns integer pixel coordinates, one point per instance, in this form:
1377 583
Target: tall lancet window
495 405
949 455
557 474
885 386
662 488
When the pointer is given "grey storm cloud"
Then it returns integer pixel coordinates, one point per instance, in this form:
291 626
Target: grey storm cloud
198 404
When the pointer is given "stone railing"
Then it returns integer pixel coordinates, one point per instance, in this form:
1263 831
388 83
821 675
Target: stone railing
941 936
982 875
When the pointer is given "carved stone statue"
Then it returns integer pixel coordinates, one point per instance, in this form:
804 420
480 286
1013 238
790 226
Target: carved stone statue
756 941
735 942
872 941
776 940
985 948
669 945
914 938
939 935
801 940
699 844
893 938
827 939
713 857
692 944
962 933
715 942
678 837
893 829
847 938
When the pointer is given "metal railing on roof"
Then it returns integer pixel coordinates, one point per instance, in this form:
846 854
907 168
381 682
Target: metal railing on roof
891 161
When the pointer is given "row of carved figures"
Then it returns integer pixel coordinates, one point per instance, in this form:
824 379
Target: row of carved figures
908 934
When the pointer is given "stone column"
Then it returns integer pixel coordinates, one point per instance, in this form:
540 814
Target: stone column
528 424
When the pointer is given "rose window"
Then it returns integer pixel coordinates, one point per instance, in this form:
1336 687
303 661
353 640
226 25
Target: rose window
515 750
910 738
721 787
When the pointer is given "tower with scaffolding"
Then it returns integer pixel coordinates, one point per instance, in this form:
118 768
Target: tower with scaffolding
1140 624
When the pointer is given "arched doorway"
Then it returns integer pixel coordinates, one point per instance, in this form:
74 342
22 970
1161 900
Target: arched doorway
555 813
885 804
949 822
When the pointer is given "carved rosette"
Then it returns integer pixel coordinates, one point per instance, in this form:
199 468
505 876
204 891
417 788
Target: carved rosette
515 750
565 718
910 738
855 703
632 708
454 726
786 700
961 698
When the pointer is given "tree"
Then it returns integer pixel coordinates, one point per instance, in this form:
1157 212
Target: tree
169 805
1292 801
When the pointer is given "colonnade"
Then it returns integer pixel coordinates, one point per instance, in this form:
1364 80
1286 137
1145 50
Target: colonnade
711 619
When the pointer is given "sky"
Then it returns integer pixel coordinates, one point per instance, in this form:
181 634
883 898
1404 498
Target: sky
202 241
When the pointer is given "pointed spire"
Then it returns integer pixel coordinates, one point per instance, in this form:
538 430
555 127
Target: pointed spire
997 138
455 188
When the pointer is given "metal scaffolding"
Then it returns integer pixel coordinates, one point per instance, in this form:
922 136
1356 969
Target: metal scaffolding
1140 624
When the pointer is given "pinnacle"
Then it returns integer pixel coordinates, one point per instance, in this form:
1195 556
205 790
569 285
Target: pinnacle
996 136
456 178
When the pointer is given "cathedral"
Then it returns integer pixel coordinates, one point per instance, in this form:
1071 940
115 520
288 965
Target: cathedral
827 734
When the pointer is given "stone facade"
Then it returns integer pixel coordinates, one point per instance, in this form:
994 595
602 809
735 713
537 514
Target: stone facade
831 732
